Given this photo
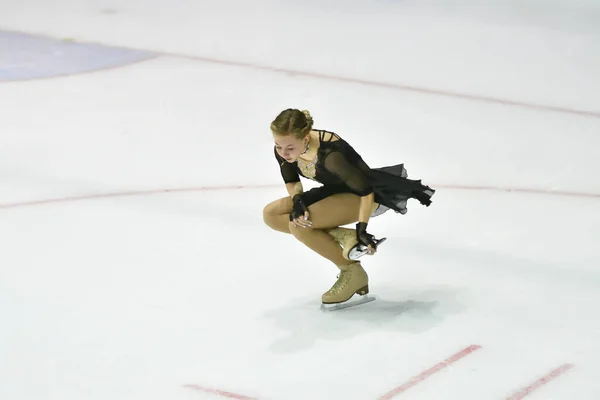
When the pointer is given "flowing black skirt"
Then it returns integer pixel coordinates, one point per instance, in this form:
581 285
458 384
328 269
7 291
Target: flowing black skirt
391 187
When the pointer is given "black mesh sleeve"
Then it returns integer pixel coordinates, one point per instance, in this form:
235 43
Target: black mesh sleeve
288 171
352 176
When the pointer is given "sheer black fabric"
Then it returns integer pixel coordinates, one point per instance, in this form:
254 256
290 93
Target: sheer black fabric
342 170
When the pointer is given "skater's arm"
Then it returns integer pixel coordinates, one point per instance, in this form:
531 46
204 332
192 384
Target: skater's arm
356 180
352 176
294 188
366 207
288 171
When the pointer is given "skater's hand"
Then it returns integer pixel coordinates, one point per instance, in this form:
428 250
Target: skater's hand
365 238
303 221
299 215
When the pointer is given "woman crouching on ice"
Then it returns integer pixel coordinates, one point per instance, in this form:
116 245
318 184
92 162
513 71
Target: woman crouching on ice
351 193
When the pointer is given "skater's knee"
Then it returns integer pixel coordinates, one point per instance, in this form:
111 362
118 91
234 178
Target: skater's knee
268 215
273 218
298 231
294 230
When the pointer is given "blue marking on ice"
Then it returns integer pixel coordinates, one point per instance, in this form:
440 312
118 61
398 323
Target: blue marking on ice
24 57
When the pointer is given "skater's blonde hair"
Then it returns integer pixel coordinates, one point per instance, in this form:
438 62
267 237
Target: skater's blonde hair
292 122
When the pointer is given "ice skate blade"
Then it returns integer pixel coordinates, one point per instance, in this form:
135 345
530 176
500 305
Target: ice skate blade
359 250
347 304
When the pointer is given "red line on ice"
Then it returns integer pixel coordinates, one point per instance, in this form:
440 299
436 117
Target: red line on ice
549 192
361 81
222 393
238 187
389 85
130 193
540 382
426 374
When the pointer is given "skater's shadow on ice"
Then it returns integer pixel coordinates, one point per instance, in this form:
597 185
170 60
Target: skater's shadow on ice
415 313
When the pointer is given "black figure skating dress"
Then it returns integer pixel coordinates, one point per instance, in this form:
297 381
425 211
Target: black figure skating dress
340 169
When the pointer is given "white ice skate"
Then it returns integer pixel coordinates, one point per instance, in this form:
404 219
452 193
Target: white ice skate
351 249
359 250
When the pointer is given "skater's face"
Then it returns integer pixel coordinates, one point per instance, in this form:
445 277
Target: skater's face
289 147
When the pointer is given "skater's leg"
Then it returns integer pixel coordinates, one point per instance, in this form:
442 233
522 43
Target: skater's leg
339 209
352 278
277 214
320 242
333 211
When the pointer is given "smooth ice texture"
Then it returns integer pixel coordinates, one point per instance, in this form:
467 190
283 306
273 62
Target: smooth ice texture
135 297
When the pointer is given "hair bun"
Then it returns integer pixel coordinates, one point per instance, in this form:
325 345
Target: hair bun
309 120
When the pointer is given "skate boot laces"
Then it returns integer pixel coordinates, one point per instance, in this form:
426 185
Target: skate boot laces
343 279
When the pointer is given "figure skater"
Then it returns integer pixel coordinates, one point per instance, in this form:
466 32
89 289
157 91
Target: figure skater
351 193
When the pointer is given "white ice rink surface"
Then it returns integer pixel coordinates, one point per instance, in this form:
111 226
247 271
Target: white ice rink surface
136 297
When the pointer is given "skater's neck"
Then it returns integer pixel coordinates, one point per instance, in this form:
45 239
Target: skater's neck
313 147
